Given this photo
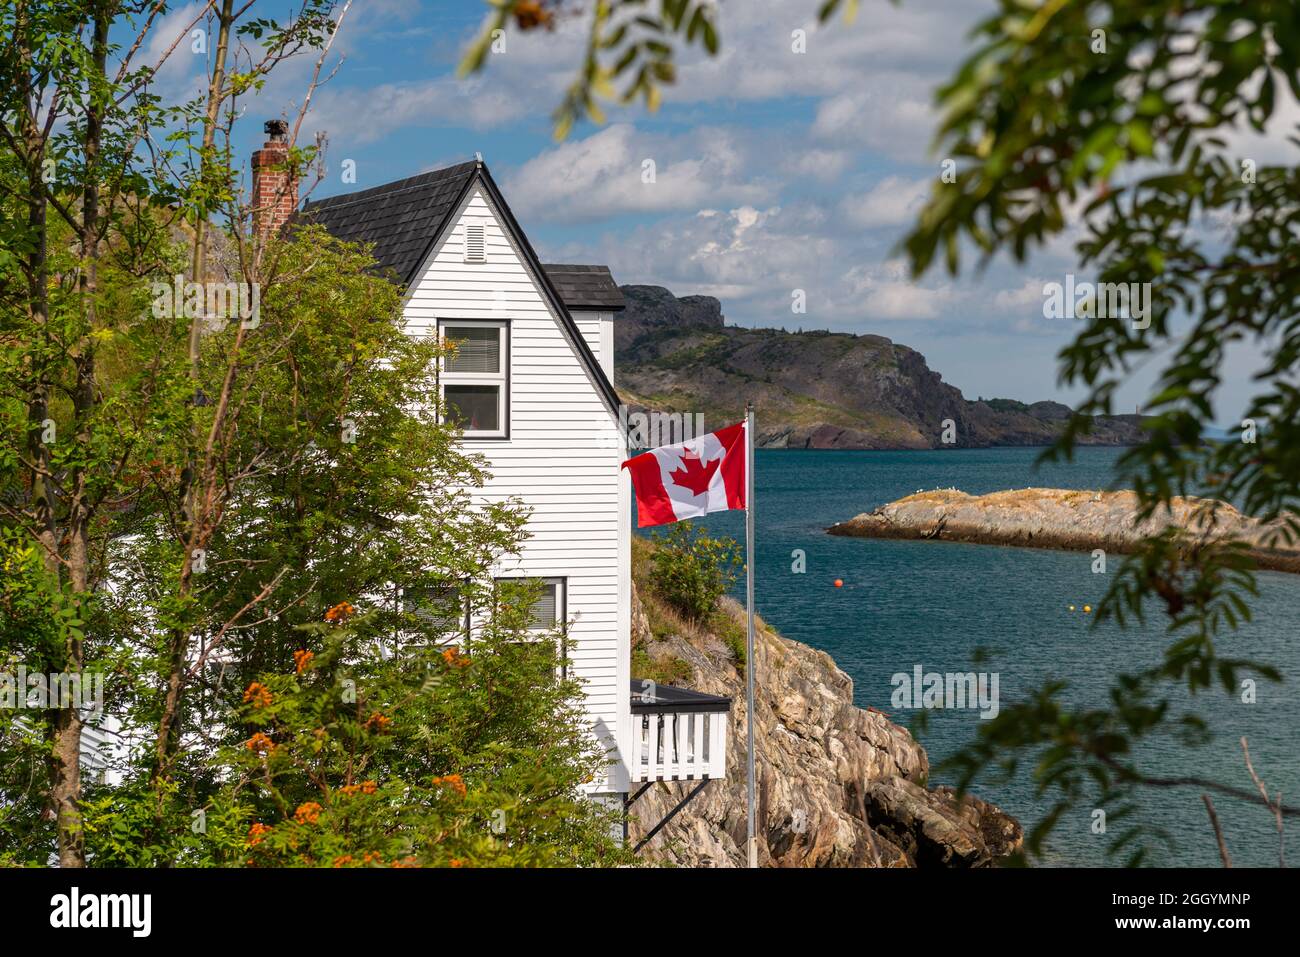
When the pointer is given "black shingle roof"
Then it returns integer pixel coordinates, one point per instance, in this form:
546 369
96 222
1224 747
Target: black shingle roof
402 219
585 287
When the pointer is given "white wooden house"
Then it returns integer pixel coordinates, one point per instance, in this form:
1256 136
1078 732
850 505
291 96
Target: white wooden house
533 382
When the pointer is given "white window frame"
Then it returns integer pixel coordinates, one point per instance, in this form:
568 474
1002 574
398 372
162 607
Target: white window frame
561 584
500 378
561 626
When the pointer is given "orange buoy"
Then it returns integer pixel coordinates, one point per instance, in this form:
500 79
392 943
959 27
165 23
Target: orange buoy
839 583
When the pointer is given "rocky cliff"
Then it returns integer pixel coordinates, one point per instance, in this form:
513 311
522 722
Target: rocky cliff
838 786
1067 519
816 389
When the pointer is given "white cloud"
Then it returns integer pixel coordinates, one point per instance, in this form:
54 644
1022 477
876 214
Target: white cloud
886 292
368 115
609 174
182 75
757 61
891 202
748 254
823 165
1026 297
892 116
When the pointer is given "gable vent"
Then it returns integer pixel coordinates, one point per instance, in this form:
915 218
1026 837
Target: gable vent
475 250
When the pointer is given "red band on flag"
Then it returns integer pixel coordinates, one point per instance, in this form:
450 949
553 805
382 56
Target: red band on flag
733 463
653 506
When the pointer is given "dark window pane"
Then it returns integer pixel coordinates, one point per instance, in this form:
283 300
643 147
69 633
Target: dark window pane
442 606
478 348
473 407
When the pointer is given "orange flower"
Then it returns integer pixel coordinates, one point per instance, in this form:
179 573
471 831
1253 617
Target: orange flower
404 862
453 657
308 813
255 834
453 781
340 612
257 693
530 14
372 857
343 861
302 658
456 862
368 787
260 743
350 789
378 722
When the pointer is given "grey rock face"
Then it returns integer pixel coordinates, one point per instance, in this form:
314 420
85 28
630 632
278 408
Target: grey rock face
814 389
655 309
838 786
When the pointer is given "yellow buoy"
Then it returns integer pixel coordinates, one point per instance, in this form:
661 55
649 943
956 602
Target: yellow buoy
1087 609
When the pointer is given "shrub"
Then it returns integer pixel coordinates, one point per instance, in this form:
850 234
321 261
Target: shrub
691 571
663 671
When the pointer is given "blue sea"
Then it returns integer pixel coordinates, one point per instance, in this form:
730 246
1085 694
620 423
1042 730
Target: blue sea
933 604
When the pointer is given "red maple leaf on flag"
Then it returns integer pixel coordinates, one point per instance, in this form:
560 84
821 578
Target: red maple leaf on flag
696 475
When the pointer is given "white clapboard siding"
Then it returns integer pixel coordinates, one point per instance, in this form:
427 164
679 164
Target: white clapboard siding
562 456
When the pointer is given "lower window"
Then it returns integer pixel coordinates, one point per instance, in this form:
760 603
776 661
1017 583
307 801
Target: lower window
445 607
475 408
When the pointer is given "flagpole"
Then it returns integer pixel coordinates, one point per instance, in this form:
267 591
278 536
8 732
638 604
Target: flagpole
752 842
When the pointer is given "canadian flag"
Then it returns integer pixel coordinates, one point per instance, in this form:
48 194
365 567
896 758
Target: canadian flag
706 474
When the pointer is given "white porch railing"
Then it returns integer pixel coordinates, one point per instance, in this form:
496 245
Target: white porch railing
679 745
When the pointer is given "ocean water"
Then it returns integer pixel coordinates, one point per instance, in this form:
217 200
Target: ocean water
933 604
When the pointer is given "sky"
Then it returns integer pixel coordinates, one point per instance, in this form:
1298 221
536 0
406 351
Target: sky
775 170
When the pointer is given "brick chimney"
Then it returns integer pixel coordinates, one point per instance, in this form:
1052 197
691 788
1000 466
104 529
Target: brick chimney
275 188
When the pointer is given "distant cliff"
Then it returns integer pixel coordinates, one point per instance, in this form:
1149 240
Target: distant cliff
816 389
838 786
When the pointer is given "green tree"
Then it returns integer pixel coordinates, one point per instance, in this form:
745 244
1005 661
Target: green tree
690 570
183 494
340 487
431 756
1124 110
87 155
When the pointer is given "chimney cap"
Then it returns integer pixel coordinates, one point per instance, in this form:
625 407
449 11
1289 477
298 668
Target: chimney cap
276 129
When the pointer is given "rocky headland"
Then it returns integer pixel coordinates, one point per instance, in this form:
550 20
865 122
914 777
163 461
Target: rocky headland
815 389
1069 520
838 786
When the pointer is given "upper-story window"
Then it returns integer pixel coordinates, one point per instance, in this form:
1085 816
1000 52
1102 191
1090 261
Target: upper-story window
474 381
